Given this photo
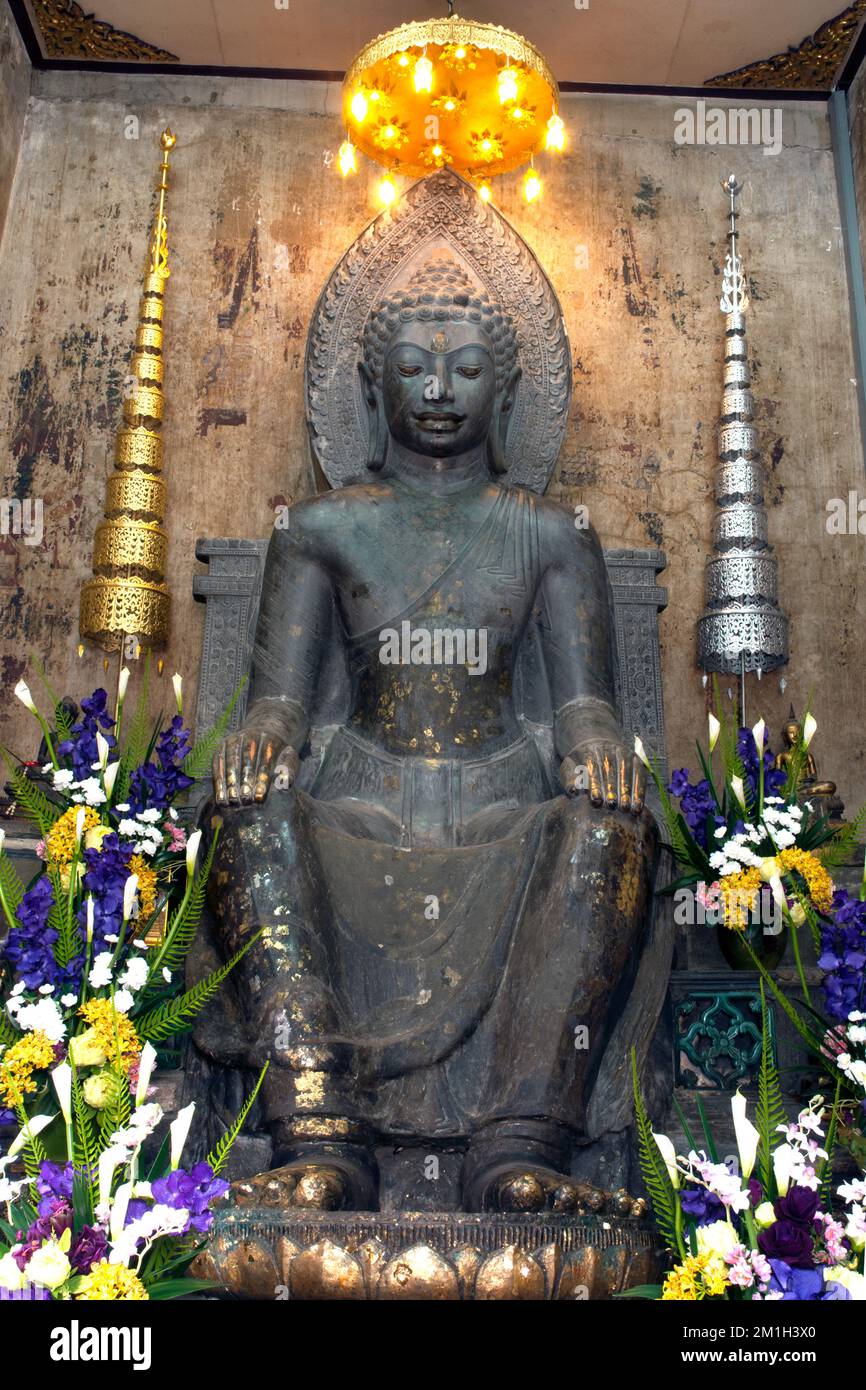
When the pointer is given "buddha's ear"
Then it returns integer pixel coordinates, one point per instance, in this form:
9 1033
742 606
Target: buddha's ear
377 425
499 426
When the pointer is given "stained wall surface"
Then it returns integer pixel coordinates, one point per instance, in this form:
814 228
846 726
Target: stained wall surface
14 90
631 230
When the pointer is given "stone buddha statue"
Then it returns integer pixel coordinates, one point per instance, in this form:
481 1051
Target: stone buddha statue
450 922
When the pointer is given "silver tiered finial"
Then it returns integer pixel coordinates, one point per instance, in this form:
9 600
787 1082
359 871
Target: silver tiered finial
743 628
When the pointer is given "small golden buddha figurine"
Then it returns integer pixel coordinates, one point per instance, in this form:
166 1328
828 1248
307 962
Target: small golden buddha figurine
808 783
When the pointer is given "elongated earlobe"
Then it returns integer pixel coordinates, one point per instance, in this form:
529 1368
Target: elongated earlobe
377 425
499 426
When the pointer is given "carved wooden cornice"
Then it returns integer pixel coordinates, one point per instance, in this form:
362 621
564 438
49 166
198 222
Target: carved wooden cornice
67 31
813 64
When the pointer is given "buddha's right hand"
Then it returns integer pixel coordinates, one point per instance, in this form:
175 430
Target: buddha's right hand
246 765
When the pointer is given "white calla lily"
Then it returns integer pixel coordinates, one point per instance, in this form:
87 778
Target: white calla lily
785 1160
118 1210
146 1064
130 888
109 1159
178 1131
102 751
61 1079
758 732
88 917
109 777
715 730
80 816
739 790
35 1125
177 682
192 845
810 724
22 690
746 1134
640 751
123 682
669 1154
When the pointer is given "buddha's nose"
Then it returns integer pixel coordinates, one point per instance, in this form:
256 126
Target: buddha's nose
445 382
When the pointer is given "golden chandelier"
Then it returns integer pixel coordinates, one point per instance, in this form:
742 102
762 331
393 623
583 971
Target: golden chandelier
451 92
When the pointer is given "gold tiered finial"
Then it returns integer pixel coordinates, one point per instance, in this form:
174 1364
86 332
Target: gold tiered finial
128 596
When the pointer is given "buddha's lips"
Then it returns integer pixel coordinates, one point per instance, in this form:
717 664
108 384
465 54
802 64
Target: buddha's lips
440 421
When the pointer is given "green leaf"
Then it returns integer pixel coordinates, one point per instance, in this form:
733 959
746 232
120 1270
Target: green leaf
11 885
840 850
662 1197
199 758
180 1288
653 1291
812 1042
217 1156
770 1112
136 741
32 800
830 1146
708 1137
183 926
177 1015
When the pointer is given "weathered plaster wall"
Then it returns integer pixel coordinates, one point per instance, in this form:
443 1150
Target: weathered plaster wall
14 91
631 231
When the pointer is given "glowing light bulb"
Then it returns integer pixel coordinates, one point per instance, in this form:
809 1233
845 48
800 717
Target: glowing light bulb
437 151
423 75
531 186
387 191
403 60
388 133
554 138
346 158
484 192
375 95
516 113
449 105
359 106
486 146
507 85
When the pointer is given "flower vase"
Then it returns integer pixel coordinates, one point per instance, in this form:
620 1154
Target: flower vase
769 947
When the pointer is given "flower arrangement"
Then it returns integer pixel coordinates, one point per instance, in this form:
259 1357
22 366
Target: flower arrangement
91 982
770 1228
742 837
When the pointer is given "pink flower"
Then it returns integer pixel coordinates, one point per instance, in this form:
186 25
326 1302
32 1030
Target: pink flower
41 852
708 896
177 834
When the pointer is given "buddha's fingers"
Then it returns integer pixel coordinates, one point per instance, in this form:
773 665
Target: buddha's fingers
249 758
594 767
638 785
233 768
624 782
264 761
286 769
219 776
569 775
609 762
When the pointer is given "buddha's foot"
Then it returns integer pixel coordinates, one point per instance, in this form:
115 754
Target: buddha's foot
316 1186
533 1189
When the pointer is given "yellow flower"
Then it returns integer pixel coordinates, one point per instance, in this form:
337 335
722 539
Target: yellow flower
818 881
739 892
34 1052
60 841
114 1031
95 835
699 1276
147 884
111 1282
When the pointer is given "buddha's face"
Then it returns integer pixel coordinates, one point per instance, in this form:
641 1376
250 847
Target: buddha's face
439 387
793 733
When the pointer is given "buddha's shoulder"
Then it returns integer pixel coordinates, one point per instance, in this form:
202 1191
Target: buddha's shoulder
561 532
327 512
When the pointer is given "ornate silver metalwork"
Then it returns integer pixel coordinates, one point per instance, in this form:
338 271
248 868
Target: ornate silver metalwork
743 628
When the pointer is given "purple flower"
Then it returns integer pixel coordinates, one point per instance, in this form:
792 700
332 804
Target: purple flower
53 1183
774 780
843 956
89 1245
157 784
799 1205
29 946
803 1285
697 805
52 1223
788 1241
106 874
80 747
193 1191
702 1206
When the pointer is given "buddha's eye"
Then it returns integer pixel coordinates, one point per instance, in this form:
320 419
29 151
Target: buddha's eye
470 372
408 369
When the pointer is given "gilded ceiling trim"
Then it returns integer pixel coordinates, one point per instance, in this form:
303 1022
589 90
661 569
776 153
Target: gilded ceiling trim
67 31
814 63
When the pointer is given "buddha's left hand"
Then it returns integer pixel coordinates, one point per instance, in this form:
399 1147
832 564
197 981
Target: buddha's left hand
609 770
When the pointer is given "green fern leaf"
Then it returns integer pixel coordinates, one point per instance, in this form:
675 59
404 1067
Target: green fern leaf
770 1111
199 758
177 1015
218 1155
32 800
653 1168
10 882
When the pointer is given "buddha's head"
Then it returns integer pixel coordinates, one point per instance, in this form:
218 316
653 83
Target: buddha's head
439 368
792 732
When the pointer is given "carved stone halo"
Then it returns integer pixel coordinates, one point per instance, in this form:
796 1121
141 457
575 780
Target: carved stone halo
440 213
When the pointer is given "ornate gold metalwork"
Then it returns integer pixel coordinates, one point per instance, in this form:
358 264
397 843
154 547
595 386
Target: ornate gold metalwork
383 75
128 595
67 31
814 63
